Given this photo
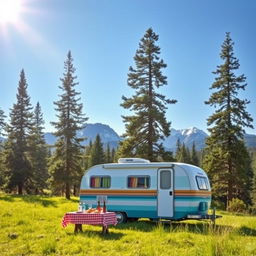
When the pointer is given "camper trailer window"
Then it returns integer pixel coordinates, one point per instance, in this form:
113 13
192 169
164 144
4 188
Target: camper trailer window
202 183
165 180
138 182
100 182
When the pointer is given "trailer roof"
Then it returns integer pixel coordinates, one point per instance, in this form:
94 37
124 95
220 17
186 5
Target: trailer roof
141 165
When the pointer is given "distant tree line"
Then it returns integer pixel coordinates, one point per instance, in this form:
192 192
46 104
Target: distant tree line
28 165
184 155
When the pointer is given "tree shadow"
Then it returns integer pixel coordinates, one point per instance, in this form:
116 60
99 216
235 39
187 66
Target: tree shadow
144 226
45 201
94 233
197 228
7 198
206 228
71 200
42 200
246 231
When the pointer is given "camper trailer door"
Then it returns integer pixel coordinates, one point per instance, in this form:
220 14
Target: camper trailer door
165 193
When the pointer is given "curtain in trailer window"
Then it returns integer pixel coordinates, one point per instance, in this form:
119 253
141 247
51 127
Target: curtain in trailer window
100 182
132 182
92 185
138 182
105 182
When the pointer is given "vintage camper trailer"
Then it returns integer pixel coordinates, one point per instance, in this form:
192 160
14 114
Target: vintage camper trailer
137 188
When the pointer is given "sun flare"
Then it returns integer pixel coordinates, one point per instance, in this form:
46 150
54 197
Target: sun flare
10 11
16 23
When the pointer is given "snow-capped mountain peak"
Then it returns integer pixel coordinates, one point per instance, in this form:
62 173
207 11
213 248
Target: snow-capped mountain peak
186 136
189 131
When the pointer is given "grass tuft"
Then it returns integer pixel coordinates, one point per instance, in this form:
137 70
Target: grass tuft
49 247
13 235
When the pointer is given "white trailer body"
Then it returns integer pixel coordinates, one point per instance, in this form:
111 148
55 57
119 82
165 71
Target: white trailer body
137 188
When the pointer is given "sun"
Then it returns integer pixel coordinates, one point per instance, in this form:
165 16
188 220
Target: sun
16 23
10 11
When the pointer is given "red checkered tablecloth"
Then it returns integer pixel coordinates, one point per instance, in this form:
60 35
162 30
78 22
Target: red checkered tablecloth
104 219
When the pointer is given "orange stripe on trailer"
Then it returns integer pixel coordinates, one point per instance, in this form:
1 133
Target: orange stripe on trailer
192 193
118 192
141 192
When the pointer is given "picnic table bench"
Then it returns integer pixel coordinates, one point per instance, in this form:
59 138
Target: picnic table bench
79 218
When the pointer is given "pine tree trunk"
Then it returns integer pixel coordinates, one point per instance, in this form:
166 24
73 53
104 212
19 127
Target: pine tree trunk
231 180
74 190
67 192
20 188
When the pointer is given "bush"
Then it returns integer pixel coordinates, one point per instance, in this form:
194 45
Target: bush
252 210
236 205
218 205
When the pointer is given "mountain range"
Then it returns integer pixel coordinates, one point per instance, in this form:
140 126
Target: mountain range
89 132
109 136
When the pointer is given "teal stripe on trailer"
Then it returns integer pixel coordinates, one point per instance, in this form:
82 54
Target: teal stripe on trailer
87 197
187 209
135 211
193 198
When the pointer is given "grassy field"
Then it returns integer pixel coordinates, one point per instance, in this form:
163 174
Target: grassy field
31 225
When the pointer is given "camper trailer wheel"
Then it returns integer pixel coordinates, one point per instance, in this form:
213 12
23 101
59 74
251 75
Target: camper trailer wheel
121 217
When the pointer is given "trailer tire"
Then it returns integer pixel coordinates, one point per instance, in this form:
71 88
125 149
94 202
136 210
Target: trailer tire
121 217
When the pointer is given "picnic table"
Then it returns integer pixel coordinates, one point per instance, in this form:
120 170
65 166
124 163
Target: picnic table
79 218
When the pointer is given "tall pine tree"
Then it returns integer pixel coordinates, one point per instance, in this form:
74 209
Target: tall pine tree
108 156
19 170
97 152
184 154
2 122
2 128
227 158
38 152
148 124
114 156
253 157
87 155
66 162
178 150
194 157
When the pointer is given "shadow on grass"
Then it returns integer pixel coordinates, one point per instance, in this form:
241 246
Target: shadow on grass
144 226
71 200
45 201
167 226
246 231
94 233
7 198
34 199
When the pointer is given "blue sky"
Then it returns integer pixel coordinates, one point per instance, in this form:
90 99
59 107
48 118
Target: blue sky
103 36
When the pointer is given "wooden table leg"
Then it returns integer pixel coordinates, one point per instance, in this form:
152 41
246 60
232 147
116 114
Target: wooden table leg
78 227
105 230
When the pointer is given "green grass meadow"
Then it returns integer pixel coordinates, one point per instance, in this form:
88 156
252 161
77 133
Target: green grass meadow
31 225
